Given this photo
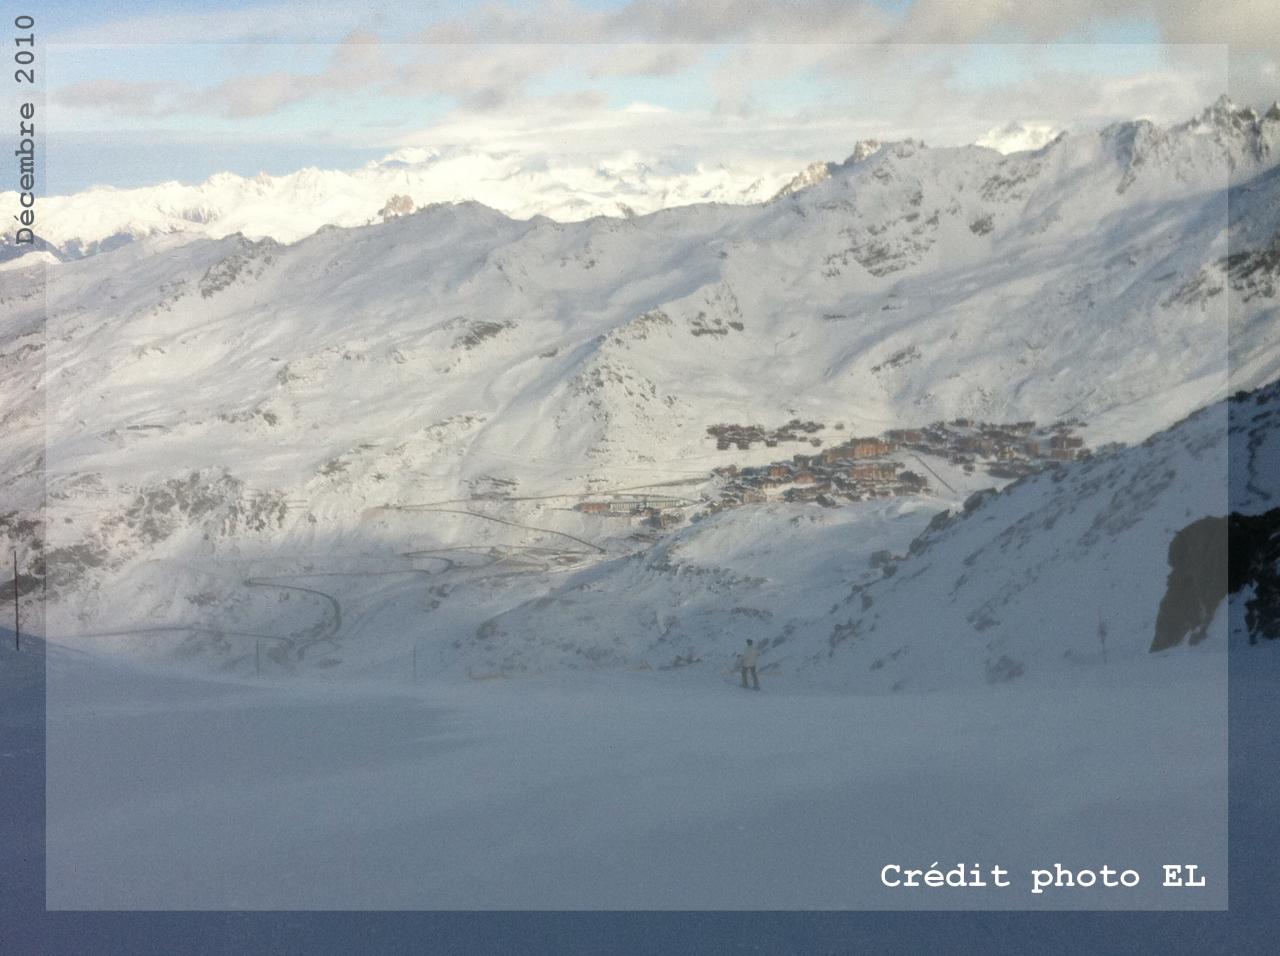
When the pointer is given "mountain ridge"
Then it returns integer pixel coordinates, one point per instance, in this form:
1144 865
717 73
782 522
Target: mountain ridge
289 207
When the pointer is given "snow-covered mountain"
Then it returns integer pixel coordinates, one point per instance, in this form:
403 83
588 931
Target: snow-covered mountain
1017 137
287 208
565 187
336 438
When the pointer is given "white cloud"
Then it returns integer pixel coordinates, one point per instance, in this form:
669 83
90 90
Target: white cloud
250 96
136 98
293 22
645 59
1245 24
816 76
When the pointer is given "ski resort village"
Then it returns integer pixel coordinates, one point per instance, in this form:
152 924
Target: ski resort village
856 469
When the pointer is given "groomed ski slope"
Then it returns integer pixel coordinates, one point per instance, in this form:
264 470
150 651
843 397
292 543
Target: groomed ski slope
625 791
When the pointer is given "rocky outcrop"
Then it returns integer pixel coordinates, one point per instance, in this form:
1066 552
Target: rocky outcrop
397 205
1211 558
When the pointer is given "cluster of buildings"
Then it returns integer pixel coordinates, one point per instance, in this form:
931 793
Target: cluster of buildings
1008 450
744 436
644 510
851 471
859 468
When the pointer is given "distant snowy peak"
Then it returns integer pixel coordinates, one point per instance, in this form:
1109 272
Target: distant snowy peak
820 172
1227 135
862 150
290 207
1224 139
1252 135
811 175
1227 113
1019 137
406 156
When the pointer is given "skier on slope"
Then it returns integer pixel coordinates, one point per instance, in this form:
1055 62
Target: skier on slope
747 663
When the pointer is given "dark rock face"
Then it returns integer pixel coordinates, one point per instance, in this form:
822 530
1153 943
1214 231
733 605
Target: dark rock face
1197 583
1214 557
1254 559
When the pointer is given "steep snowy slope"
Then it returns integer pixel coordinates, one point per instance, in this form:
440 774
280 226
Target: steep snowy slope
218 409
1065 569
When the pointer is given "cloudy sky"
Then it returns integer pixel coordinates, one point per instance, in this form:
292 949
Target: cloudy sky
149 91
